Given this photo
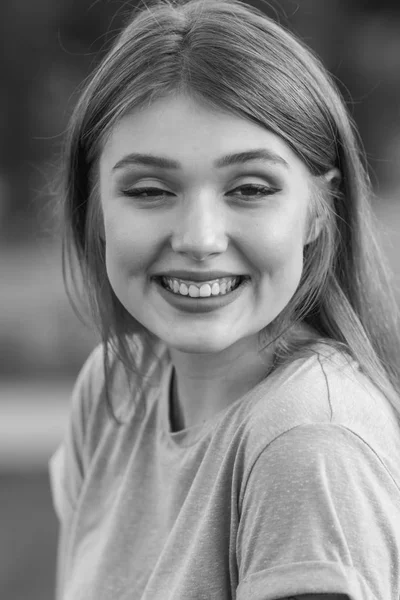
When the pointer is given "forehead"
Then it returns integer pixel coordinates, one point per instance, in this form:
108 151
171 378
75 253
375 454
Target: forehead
188 131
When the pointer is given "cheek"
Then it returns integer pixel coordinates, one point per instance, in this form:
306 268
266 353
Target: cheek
278 248
130 245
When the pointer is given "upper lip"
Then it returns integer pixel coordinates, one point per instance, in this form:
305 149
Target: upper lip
198 276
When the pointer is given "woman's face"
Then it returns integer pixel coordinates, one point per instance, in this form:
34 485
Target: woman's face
246 218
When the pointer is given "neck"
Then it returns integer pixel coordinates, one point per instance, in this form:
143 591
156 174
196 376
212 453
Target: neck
204 384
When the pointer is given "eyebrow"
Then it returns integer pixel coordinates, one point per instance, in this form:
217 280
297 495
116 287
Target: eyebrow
239 158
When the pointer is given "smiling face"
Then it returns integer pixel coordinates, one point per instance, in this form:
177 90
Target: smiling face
248 218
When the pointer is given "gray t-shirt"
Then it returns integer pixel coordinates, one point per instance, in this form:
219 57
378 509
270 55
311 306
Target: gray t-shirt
293 489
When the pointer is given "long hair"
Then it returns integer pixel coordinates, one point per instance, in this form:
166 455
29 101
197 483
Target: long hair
231 56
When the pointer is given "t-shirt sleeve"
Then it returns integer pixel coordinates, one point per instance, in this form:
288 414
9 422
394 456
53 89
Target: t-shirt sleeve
67 464
319 513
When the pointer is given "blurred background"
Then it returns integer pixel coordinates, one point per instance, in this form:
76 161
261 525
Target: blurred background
49 47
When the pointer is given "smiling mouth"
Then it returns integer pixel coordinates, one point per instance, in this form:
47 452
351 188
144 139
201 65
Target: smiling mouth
201 291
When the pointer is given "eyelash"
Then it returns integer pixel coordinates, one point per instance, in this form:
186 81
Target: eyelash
264 191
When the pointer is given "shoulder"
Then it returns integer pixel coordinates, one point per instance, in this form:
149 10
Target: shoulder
324 450
295 393
322 387
89 384
106 382
320 384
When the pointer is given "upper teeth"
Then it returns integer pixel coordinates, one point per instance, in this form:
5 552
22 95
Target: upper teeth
195 289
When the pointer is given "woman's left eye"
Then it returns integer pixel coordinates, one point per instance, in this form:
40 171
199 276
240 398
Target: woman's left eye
256 191
262 190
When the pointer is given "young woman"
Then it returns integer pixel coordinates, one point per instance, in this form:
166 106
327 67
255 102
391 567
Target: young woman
237 433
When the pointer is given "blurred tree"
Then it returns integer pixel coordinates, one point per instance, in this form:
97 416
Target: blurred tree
359 42
45 44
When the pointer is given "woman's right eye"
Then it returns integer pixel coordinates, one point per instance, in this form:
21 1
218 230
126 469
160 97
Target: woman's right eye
144 192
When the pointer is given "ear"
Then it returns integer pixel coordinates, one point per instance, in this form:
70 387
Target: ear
314 230
330 180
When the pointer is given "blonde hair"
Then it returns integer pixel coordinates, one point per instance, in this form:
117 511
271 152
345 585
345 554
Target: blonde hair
233 57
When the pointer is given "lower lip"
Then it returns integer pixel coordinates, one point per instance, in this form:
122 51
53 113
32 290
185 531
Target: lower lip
200 305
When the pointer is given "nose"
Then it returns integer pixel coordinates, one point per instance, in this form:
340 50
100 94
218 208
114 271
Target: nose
200 228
